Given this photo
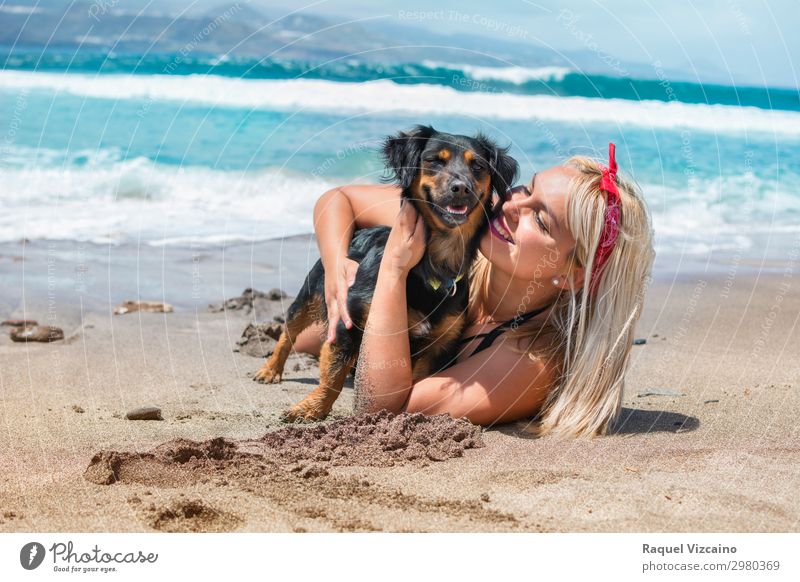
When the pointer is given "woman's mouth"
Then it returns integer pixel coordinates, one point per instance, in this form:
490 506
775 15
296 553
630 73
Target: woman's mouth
498 227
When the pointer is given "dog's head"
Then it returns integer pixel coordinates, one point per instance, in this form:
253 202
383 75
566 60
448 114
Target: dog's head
449 178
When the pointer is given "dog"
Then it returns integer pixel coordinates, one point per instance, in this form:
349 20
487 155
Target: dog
449 179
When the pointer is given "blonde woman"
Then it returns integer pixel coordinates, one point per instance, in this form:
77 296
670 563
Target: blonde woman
555 295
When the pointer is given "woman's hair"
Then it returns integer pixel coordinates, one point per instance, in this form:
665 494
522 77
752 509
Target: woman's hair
588 336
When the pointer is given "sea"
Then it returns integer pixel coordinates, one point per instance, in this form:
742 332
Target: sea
178 150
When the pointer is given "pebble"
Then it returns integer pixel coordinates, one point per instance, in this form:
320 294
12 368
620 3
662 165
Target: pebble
145 413
639 341
37 333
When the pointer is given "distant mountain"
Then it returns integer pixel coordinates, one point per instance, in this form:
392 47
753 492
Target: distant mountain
236 29
240 30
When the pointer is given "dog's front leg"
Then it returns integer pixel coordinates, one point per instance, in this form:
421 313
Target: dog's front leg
334 364
301 314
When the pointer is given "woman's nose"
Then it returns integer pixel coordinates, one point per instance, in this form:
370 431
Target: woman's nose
512 196
509 194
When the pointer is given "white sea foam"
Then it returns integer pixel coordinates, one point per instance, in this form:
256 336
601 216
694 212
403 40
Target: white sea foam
515 75
385 96
724 213
97 197
124 201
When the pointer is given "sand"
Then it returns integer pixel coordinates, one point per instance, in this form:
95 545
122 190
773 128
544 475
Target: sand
708 439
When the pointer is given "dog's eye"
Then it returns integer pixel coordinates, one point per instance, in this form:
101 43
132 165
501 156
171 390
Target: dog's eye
477 167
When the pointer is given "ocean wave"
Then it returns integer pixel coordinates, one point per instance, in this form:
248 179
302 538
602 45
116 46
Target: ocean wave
387 97
138 200
98 196
513 75
722 213
544 80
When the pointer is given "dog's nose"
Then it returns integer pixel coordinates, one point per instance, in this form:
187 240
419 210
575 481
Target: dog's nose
459 188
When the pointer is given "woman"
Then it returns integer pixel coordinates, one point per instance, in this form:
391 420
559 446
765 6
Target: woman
555 294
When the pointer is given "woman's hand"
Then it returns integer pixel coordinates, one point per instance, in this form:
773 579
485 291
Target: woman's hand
336 285
406 243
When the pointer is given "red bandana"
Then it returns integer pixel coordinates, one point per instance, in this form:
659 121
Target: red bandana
611 227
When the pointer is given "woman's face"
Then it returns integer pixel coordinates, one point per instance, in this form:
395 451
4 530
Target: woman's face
528 237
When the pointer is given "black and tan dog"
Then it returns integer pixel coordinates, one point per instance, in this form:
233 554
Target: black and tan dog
449 179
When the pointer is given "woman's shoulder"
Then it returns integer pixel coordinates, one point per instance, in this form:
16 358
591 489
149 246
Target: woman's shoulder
496 385
535 366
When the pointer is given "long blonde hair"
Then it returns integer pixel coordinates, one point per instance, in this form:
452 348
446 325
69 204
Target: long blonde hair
588 337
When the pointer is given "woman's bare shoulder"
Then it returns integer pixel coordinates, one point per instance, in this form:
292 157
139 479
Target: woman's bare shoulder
496 385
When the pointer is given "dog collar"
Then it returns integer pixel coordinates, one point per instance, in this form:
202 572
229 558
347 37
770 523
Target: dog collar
451 284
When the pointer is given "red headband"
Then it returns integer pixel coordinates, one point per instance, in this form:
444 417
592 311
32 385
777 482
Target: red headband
611 226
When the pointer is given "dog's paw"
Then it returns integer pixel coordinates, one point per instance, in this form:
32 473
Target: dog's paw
302 413
267 375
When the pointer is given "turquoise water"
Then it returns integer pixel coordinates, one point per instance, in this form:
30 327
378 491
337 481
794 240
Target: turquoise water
114 150
542 81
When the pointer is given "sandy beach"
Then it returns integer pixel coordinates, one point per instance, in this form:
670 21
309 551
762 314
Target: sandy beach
708 439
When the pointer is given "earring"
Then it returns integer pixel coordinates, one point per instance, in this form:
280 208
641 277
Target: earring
556 281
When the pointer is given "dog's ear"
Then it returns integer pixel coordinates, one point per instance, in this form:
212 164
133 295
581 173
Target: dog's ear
403 152
503 167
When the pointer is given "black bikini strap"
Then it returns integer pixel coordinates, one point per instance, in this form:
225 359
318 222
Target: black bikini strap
469 338
489 337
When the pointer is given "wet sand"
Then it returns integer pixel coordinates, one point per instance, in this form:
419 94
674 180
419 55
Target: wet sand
708 439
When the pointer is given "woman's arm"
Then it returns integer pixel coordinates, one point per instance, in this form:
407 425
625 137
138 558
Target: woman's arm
383 376
337 213
495 386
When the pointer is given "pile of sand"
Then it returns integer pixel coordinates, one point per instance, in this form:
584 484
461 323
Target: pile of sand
250 301
379 439
258 340
290 468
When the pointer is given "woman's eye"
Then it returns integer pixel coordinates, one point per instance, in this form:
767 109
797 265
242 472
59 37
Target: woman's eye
540 223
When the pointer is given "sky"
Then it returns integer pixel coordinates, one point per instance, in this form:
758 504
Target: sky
751 42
